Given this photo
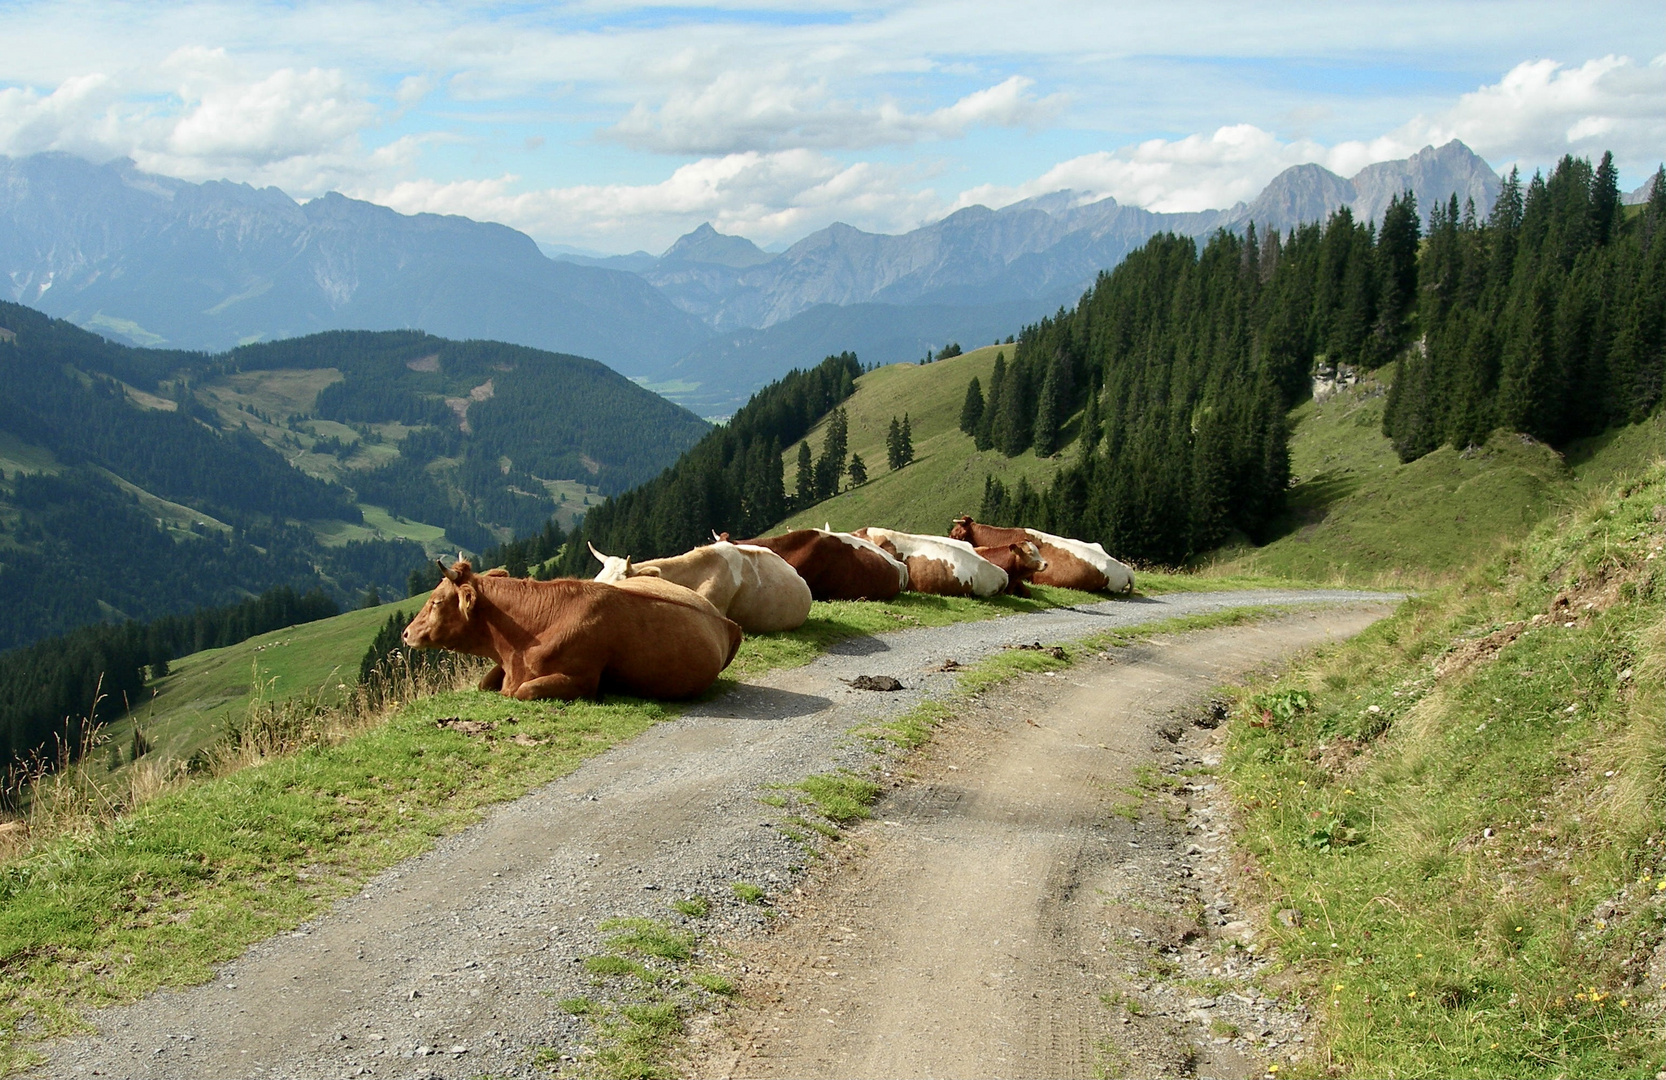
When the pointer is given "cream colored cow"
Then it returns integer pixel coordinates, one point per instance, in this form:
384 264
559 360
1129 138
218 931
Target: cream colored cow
751 585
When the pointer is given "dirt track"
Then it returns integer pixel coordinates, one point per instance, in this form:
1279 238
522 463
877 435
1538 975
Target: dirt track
994 917
449 965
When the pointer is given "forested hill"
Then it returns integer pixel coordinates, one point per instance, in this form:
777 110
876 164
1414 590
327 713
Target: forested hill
1545 318
137 483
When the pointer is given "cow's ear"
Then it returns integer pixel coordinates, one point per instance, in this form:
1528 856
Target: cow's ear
466 597
645 571
496 571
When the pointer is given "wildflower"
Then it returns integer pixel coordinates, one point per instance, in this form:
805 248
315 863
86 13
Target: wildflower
1662 886
1337 989
1411 993
1518 929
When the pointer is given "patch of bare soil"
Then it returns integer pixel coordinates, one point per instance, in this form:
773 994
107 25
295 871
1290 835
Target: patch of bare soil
1052 896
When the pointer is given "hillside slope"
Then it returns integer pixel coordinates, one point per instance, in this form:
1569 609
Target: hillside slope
1460 816
137 482
947 475
1358 514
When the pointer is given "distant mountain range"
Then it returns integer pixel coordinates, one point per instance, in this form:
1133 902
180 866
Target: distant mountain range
156 261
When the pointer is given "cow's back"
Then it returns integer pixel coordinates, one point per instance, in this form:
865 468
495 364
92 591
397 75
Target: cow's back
711 571
772 596
833 568
662 639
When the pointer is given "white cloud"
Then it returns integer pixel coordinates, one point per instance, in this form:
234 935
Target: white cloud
752 109
300 129
1537 112
1543 109
766 196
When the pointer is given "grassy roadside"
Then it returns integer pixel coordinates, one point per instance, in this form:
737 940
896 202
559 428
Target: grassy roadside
110 910
1467 805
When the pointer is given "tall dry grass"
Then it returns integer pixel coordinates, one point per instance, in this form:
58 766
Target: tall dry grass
63 791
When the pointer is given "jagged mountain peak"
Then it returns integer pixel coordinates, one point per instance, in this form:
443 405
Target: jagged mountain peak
707 245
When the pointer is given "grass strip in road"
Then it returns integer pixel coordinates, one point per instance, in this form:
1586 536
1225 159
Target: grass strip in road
113 909
1467 806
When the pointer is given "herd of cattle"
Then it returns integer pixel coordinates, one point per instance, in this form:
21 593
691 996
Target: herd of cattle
666 628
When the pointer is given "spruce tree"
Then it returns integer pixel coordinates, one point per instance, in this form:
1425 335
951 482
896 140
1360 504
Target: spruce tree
984 439
893 446
972 411
858 471
831 465
905 442
805 494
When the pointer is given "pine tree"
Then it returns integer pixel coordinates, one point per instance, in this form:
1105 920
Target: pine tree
805 493
984 438
831 465
1051 406
893 445
858 471
905 442
972 411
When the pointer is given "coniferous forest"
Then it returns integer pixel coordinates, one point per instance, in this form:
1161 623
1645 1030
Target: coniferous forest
1546 318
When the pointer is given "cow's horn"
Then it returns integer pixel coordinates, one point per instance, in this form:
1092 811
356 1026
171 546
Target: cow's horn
447 572
599 556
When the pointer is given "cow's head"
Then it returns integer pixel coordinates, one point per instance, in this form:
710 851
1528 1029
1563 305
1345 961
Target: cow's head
1029 558
445 620
616 568
962 529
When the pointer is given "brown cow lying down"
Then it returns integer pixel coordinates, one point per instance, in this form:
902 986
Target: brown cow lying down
838 566
1020 561
751 585
1071 564
570 639
939 565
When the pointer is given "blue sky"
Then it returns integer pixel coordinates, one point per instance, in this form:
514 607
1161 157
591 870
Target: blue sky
612 126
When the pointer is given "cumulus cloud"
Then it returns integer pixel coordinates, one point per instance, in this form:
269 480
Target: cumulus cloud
763 195
1543 109
300 129
746 109
1537 112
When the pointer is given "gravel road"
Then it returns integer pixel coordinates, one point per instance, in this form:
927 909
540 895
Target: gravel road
451 963
1040 899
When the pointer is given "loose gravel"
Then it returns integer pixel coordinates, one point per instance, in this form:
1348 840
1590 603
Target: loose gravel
452 963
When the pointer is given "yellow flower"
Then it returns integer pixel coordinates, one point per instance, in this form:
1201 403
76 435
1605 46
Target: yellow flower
1337 989
1518 929
1662 886
1494 1046
1411 993
1420 955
